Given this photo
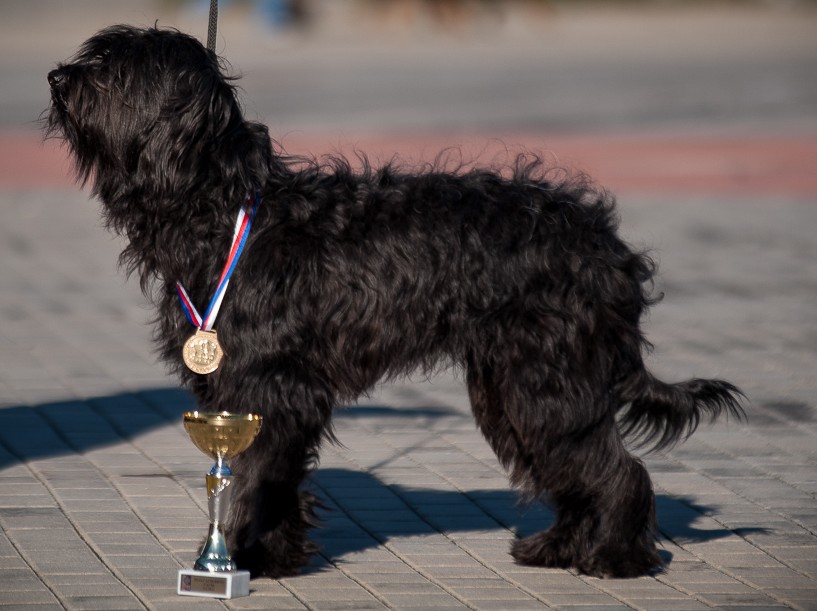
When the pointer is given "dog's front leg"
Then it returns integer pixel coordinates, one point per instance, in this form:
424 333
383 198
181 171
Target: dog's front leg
271 516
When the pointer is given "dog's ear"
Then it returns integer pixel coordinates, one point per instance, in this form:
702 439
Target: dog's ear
242 149
202 141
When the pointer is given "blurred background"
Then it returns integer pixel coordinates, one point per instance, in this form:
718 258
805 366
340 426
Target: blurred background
578 79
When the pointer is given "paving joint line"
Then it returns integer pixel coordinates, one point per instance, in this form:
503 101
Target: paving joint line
507 527
725 570
496 468
746 582
775 477
714 516
595 584
476 558
293 592
84 536
20 550
690 593
384 542
91 545
494 464
133 509
340 568
467 552
196 498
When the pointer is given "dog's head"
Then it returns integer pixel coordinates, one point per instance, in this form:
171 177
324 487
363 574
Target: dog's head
150 110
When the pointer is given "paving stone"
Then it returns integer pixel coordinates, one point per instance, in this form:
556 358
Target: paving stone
503 604
26 597
425 601
103 603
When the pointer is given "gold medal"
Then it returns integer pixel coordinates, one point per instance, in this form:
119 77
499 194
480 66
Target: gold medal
202 353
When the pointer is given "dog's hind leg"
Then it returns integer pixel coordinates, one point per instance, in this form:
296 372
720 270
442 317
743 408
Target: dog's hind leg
553 547
605 506
624 542
568 539
271 515
601 495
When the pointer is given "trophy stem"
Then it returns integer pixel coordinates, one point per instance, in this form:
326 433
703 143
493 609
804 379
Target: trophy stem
214 555
220 468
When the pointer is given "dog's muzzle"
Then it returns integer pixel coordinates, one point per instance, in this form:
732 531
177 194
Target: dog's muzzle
57 80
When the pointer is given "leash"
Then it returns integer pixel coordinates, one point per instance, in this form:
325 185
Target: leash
212 26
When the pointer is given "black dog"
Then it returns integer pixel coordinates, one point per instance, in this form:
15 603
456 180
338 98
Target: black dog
348 277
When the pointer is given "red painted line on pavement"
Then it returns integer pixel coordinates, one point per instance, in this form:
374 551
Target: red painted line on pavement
762 165
27 161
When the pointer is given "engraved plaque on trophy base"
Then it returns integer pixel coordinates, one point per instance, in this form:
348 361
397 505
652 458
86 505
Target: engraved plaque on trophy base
213 585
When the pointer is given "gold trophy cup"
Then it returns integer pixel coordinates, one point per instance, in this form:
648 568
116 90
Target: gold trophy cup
221 436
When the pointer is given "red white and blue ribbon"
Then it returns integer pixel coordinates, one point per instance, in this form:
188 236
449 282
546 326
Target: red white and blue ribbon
242 231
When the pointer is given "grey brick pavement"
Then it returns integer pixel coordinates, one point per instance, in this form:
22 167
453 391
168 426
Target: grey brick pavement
103 497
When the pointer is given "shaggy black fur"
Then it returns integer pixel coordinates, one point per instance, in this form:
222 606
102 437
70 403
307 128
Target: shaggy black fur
352 276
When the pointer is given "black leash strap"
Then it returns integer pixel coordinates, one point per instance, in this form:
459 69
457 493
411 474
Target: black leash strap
212 26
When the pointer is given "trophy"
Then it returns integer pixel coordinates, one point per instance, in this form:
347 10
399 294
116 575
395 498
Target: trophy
221 436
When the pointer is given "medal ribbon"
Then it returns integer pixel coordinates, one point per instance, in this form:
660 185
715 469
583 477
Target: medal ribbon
242 231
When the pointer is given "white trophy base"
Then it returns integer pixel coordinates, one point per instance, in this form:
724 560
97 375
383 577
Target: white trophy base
213 585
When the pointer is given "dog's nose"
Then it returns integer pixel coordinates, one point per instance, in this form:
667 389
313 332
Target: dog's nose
55 77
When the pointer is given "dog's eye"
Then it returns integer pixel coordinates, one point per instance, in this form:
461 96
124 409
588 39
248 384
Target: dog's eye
101 56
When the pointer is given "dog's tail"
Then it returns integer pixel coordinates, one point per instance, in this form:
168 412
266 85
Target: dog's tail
658 414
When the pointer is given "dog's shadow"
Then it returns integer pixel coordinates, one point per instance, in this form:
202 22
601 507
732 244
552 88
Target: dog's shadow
75 426
362 511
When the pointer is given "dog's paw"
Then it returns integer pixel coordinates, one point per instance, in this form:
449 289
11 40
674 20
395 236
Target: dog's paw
543 549
274 560
607 563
